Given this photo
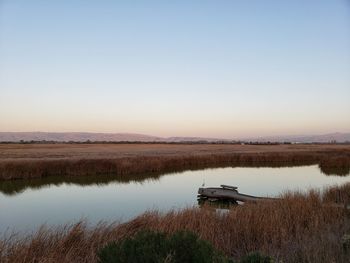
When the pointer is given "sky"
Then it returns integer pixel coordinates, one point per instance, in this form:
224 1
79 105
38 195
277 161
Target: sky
221 68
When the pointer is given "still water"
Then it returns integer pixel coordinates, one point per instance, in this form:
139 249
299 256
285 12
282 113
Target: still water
25 205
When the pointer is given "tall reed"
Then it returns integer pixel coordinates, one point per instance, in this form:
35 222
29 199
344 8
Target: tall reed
25 169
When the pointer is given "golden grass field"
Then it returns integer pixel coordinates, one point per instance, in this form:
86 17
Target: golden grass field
111 151
297 228
20 161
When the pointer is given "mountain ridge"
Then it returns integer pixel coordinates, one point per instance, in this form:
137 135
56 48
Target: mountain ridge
320 138
135 137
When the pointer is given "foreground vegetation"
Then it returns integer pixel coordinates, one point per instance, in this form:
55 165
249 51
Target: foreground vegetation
31 161
297 228
179 247
150 247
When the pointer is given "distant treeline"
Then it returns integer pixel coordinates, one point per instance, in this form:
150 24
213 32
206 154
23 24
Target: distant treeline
167 142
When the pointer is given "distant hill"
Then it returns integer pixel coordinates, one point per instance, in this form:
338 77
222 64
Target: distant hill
133 137
93 137
74 136
324 138
195 139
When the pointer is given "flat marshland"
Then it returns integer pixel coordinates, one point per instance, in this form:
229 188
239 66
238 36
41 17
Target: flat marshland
300 227
18 161
105 151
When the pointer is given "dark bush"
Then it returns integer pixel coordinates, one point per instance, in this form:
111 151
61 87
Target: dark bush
256 257
151 247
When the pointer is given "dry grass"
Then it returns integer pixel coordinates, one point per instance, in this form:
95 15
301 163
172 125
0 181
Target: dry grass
137 165
37 161
338 194
113 151
335 164
298 228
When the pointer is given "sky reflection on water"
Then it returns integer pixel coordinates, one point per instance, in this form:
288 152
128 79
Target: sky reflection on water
66 202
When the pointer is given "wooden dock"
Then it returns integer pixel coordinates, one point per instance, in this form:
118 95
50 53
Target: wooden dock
226 192
230 193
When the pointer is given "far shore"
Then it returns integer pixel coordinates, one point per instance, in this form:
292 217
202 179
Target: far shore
26 161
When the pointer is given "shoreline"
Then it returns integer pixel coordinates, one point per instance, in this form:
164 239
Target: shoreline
38 161
287 230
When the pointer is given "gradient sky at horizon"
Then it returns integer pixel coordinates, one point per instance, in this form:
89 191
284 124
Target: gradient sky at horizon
175 68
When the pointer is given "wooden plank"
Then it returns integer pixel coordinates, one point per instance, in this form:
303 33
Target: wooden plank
229 187
223 193
232 194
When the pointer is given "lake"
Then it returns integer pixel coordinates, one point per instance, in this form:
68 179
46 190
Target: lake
25 205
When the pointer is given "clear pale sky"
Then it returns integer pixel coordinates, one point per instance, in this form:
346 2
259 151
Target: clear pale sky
175 68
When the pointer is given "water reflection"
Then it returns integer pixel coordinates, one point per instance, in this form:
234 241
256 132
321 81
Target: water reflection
339 171
27 204
14 187
216 204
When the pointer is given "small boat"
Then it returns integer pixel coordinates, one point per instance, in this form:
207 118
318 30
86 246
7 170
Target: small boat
228 192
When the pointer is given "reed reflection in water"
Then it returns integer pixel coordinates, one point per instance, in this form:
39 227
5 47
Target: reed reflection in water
27 204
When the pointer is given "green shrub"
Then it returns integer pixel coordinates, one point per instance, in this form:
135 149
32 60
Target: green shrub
152 247
256 257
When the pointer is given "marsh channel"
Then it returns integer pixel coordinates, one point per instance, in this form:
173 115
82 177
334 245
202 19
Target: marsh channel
25 205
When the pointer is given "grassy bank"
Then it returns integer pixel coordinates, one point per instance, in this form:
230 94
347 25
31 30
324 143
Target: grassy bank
297 228
337 162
